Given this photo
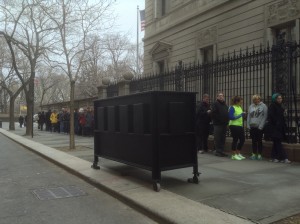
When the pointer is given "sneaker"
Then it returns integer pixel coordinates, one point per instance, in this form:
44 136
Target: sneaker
253 157
240 155
259 157
236 157
286 161
275 161
201 151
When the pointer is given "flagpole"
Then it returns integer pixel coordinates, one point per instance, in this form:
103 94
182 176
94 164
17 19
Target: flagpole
137 40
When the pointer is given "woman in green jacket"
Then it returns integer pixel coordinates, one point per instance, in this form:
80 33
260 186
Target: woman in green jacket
236 115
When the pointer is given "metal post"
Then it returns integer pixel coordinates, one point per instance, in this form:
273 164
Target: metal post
32 107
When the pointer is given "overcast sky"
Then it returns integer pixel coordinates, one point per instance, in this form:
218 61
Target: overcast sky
126 11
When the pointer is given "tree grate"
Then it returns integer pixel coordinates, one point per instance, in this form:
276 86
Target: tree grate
58 192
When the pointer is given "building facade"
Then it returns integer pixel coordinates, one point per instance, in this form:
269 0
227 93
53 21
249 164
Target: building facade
201 30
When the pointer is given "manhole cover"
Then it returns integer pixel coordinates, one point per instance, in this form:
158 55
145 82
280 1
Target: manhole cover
58 192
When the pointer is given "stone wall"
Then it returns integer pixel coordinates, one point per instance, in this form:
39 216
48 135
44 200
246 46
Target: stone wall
228 25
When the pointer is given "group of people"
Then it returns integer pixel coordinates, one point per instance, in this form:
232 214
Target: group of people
60 121
260 120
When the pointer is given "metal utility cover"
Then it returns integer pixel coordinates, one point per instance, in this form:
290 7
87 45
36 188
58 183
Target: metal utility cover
58 192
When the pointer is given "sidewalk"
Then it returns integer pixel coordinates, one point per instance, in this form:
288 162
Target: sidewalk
228 192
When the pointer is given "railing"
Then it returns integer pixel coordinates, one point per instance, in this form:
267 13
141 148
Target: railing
248 72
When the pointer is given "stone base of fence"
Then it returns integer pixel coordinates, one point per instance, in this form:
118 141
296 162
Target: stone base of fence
293 150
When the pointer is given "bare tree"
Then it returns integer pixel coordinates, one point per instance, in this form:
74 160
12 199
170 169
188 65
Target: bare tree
13 87
9 82
77 20
92 70
118 51
46 80
111 56
27 28
4 68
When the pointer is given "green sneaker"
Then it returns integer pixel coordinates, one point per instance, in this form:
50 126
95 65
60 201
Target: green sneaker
259 157
240 155
235 157
253 157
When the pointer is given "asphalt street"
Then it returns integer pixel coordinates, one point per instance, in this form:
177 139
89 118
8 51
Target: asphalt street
35 191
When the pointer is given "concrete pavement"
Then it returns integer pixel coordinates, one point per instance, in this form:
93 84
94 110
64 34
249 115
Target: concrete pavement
229 191
35 191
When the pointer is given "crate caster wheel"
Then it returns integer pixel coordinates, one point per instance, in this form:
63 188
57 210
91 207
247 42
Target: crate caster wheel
194 180
95 167
156 186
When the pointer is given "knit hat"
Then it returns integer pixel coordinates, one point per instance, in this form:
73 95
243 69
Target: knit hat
274 97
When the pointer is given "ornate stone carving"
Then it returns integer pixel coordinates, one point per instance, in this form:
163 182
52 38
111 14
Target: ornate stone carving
207 36
282 11
160 50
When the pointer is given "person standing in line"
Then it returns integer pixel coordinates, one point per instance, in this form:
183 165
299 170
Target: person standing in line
67 121
61 117
76 121
42 120
47 120
54 121
236 115
256 120
202 124
219 114
81 121
88 124
38 119
25 120
21 121
276 121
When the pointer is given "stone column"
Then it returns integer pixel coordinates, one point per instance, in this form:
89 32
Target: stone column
102 89
124 88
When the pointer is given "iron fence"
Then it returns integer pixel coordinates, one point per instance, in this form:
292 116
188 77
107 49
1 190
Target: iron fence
261 71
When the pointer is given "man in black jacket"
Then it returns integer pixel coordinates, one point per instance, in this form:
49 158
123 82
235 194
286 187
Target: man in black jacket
202 124
220 118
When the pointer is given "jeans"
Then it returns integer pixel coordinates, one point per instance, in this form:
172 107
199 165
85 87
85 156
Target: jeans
220 137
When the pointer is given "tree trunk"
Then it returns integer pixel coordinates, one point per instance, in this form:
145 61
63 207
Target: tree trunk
72 137
30 101
5 102
12 114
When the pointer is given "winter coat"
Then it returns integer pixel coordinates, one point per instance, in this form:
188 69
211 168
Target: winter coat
89 119
21 119
219 113
42 118
276 122
54 118
202 117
